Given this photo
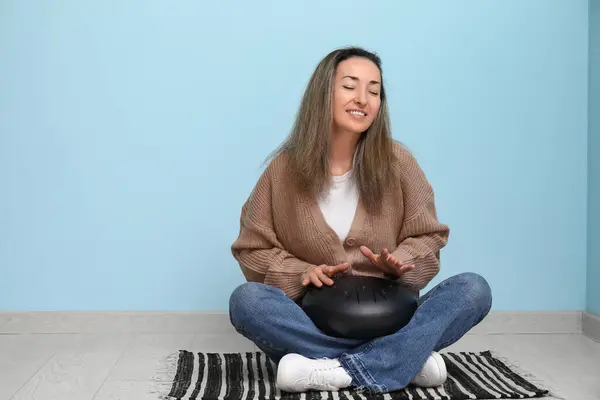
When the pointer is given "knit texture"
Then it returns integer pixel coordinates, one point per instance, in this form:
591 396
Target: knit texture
283 231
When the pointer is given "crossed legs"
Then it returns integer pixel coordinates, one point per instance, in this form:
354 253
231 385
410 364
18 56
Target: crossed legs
278 326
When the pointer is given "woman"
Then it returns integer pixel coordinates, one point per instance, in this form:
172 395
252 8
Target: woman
340 196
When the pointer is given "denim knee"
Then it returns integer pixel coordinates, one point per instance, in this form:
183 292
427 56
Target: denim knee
477 290
245 303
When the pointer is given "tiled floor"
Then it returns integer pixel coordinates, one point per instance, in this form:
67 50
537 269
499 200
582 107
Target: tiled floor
103 367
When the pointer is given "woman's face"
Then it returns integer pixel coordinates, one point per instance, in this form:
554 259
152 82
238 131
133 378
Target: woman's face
356 95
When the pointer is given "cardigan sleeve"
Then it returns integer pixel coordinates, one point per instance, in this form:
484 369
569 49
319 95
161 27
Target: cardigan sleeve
422 235
262 258
421 239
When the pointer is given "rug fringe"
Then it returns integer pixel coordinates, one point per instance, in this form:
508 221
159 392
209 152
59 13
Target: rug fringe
162 382
536 380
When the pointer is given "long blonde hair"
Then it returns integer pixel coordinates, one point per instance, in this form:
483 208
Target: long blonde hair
308 145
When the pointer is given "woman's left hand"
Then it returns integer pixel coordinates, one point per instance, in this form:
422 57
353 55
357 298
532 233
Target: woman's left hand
387 262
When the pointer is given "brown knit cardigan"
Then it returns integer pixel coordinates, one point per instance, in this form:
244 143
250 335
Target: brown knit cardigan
283 232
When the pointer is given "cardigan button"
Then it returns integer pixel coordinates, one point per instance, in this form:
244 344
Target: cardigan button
351 241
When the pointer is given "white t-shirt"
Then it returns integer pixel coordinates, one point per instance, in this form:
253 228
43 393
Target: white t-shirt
339 204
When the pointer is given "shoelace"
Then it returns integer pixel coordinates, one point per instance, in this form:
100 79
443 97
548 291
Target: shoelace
320 378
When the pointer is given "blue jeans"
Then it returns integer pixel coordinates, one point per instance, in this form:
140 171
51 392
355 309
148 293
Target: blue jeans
278 326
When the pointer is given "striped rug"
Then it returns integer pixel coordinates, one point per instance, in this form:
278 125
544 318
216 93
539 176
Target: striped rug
251 376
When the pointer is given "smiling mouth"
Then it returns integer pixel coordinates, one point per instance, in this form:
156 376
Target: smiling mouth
357 113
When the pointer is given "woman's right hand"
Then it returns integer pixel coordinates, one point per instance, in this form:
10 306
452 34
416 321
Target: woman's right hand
322 274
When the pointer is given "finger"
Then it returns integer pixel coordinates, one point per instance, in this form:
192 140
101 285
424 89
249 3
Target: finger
315 280
324 278
341 268
328 270
400 264
389 259
331 271
369 254
391 265
366 251
323 270
403 269
306 277
394 265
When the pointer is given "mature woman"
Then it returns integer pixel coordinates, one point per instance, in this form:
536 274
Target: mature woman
340 196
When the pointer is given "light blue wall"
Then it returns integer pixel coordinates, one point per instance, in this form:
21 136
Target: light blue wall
593 274
132 132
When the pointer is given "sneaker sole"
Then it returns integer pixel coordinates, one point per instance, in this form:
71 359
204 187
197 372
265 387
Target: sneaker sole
441 365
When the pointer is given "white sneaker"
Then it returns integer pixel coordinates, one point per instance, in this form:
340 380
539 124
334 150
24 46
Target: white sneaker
433 373
296 373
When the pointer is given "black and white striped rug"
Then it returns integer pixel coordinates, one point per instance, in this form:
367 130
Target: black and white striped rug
251 376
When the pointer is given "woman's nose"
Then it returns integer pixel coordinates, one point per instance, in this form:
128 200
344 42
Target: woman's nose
361 98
